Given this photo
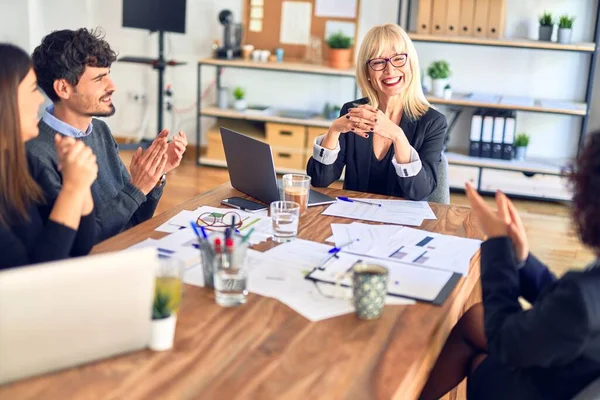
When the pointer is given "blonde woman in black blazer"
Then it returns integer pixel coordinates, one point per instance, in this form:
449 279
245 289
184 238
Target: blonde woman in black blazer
390 141
551 351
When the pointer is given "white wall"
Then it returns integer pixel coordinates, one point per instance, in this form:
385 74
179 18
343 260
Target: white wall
540 74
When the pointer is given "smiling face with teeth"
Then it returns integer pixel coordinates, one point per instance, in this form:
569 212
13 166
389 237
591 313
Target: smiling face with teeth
92 96
394 77
390 81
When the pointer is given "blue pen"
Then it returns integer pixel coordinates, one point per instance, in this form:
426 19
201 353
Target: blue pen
349 200
193 225
336 250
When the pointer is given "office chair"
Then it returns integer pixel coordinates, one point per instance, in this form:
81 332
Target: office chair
441 194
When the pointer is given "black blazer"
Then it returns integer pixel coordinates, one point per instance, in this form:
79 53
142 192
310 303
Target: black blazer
556 343
426 135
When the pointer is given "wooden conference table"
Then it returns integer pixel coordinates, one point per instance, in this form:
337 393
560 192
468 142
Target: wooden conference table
265 350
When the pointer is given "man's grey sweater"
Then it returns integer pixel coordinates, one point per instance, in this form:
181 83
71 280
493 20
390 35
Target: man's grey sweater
119 205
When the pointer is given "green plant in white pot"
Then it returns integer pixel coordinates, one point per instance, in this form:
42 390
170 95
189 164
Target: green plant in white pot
520 144
565 29
240 99
546 27
163 322
439 72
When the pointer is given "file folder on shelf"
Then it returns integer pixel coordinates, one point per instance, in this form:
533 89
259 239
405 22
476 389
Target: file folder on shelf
486 135
424 16
497 19
510 125
453 17
475 138
438 17
467 15
480 19
498 136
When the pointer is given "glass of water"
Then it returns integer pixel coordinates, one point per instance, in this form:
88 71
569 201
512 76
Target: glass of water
229 273
285 216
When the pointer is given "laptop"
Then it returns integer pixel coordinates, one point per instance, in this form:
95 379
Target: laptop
66 313
252 170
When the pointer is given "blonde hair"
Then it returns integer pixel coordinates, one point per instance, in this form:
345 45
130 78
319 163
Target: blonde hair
381 39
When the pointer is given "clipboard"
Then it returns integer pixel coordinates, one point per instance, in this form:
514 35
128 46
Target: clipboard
438 300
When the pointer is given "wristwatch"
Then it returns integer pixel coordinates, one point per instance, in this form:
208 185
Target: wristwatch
161 181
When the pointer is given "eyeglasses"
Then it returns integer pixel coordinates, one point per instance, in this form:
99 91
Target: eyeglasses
217 220
379 64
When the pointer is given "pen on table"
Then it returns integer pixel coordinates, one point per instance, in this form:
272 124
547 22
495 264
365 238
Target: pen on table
247 235
338 249
228 259
195 229
349 200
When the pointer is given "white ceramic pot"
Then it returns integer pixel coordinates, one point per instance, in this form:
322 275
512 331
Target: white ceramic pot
438 87
163 333
240 105
564 35
448 94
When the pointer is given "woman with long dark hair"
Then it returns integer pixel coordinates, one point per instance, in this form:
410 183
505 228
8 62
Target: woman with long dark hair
31 230
551 351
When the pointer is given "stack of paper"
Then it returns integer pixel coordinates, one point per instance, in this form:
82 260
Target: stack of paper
280 274
401 212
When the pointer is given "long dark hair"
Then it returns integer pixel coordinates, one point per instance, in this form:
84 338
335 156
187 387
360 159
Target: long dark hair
585 181
17 188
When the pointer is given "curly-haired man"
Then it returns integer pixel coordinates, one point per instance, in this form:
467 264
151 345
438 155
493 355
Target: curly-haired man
73 69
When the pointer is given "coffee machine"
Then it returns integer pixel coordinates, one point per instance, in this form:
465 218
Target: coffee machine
232 36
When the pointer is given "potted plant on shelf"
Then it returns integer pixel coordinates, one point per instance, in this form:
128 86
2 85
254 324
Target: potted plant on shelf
521 143
439 72
546 27
340 50
447 92
163 322
565 29
240 102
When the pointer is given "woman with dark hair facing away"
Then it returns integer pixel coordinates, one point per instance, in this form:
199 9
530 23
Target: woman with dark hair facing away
551 351
31 230
390 141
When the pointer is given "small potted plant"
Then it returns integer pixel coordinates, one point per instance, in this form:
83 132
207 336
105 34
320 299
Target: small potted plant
439 72
163 322
340 50
546 27
521 143
565 29
240 102
447 92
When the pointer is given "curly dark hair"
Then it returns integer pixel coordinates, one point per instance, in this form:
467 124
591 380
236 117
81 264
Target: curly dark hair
585 180
65 54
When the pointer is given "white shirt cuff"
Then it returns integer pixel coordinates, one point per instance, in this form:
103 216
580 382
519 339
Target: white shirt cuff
323 155
410 169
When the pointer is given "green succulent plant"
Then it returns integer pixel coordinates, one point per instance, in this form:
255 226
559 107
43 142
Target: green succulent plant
546 19
239 93
566 22
339 40
439 70
161 308
522 140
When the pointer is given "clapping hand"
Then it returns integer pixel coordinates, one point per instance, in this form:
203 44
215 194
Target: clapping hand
503 222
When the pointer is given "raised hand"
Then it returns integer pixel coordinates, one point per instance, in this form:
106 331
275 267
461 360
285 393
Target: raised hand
147 166
77 163
175 151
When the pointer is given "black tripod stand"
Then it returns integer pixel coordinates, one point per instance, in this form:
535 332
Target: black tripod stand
159 64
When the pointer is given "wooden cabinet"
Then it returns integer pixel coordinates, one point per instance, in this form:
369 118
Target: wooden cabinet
286 135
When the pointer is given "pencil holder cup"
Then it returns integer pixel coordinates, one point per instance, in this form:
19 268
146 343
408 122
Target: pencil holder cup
369 282
214 259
